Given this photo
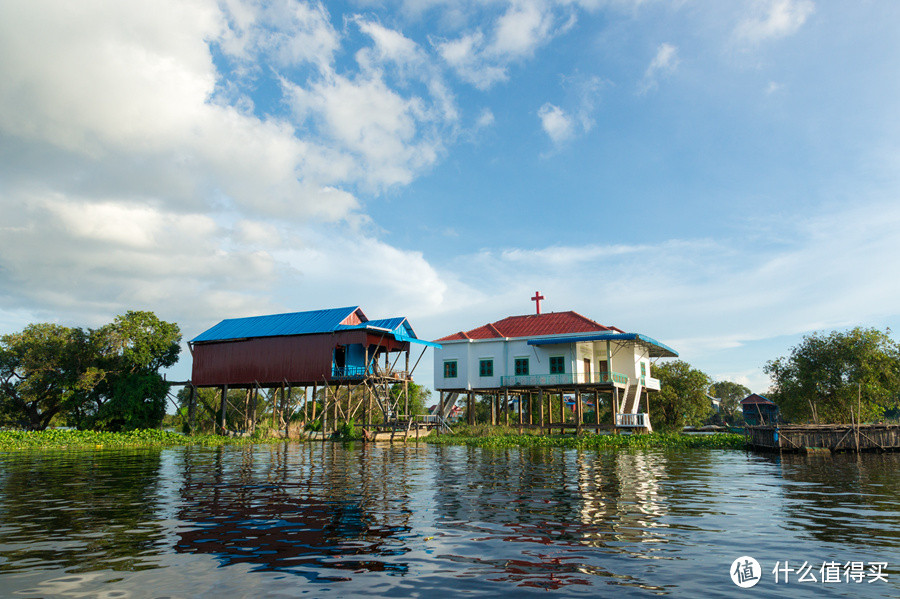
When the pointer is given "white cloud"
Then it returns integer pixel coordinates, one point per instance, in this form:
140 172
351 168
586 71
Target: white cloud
482 59
561 124
664 62
558 125
772 19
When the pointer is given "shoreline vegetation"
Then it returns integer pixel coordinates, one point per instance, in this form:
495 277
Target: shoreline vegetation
480 436
137 439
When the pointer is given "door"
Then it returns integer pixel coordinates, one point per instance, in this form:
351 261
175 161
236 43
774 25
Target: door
587 370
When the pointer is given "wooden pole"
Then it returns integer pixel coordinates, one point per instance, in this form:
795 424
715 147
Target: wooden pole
597 410
192 408
406 389
549 413
578 411
530 408
521 421
470 407
222 409
615 410
541 407
314 401
493 397
506 406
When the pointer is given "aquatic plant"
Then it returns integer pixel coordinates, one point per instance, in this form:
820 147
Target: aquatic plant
506 438
63 439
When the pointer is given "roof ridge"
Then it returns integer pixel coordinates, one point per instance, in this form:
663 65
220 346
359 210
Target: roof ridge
495 329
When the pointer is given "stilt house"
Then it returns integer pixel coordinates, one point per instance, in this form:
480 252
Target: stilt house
318 348
557 354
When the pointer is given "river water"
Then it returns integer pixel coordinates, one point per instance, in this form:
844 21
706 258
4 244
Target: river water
328 520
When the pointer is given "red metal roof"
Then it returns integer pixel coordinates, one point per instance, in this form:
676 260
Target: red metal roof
755 398
533 325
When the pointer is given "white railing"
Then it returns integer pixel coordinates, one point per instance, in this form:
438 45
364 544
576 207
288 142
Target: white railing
632 420
650 383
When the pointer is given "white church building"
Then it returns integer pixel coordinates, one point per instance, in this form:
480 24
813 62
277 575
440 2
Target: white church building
561 353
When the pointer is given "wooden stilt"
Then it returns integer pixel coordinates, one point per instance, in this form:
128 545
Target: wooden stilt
521 421
470 407
222 409
506 406
530 408
578 412
549 413
192 408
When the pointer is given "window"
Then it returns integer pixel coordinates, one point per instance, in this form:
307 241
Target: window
557 365
486 368
450 369
521 366
643 369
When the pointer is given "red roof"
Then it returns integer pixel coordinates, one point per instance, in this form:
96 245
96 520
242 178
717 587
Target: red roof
533 325
754 398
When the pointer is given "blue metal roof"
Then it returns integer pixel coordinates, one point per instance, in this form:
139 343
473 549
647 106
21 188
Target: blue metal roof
657 349
272 325
399 328
307 323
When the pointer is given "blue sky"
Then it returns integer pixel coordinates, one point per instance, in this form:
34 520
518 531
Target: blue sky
721 176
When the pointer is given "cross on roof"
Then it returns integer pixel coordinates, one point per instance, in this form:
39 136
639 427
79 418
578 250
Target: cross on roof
537 300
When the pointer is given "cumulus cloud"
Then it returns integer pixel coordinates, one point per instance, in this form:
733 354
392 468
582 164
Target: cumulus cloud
135 170
772 19
482 59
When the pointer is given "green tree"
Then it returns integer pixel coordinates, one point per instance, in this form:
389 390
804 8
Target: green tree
130 351
45 371
731 395
682 399
833 373
419 396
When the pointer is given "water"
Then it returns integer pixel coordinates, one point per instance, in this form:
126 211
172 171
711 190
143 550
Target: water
326 520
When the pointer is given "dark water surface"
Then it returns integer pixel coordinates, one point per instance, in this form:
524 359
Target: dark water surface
341 521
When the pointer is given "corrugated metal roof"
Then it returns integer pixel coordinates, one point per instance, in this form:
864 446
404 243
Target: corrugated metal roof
398 326
755 398
272 325
533 325
657 349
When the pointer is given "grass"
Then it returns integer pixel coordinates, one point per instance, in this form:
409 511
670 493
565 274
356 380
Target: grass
485 436
65 439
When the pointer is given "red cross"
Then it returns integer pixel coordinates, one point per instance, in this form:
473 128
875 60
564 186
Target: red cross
537 300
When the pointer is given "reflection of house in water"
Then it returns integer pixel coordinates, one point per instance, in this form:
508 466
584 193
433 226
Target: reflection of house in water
599 495
287 519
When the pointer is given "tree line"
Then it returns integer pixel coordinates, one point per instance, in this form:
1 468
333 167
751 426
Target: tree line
103 379
109 378
840 376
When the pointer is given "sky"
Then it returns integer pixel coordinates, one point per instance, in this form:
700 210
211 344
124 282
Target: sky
720 176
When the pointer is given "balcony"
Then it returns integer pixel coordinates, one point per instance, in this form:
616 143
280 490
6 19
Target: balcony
564 379
650 383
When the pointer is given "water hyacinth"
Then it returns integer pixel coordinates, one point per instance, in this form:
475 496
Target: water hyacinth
505 437
64 439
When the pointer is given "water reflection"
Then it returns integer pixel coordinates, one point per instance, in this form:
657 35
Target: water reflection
80 510
405 520
842 498
296 508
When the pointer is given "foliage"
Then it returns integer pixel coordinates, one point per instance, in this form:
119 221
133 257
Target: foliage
346 431
682 399
132 393
731 395
103 378
501 437
45 370
419 396
833 373
64 439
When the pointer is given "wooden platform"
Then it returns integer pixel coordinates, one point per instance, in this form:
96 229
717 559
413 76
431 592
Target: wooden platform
833 437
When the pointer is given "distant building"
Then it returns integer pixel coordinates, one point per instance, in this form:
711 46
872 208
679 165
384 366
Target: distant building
759 409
